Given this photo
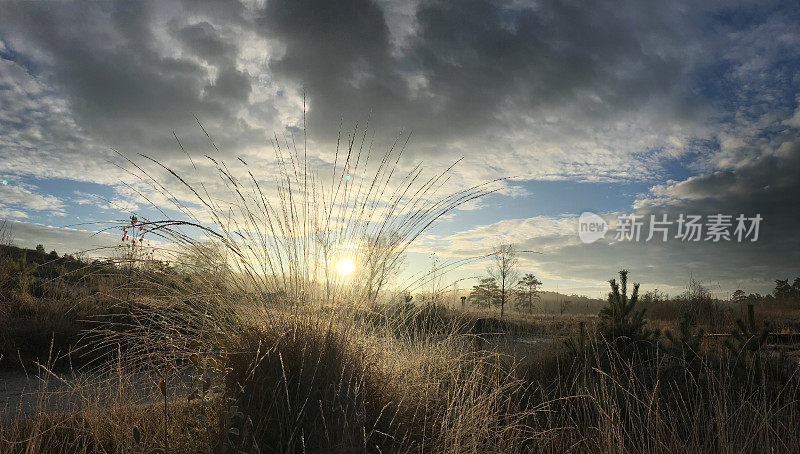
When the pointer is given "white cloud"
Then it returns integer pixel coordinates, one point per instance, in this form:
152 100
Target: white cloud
116 203
24 197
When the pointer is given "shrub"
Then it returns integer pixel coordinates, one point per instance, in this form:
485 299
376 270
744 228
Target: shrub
308 388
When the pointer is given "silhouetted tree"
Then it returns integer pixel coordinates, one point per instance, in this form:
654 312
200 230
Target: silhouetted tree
682 352
653 297
528 292
620 324
622 331
685 344
504 271
754 298
782 289
747 340
485 293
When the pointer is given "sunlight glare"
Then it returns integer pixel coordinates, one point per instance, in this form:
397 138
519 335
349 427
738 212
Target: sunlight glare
345 266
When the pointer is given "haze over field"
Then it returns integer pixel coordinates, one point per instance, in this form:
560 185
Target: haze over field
650 107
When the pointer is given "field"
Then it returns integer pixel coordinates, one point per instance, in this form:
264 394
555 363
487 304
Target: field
377 377
245 340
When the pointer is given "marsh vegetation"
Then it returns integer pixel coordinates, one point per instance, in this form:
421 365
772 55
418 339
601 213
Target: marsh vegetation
263 322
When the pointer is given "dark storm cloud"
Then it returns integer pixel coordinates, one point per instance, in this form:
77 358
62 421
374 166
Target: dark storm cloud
565 89
570 89
340 52
224 10
203 40
467 65
482 57
230 84
124 87
768 186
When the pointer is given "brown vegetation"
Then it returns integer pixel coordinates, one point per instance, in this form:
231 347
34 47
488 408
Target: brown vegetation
251 343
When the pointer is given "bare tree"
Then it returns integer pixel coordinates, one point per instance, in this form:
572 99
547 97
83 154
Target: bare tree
504 271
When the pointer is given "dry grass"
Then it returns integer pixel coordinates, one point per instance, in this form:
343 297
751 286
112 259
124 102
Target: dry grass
331 382
337 383
307 362
103 429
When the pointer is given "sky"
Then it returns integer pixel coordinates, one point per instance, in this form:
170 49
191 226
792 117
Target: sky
619 108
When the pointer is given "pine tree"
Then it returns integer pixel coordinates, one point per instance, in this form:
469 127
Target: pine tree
747 340
528 292
622 332
576 345
620 324
782 289
685 344
485 293
681 364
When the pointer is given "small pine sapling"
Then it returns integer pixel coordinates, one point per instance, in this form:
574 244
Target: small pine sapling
746 341
620 324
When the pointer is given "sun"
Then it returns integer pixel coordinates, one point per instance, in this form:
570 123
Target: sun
345 266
